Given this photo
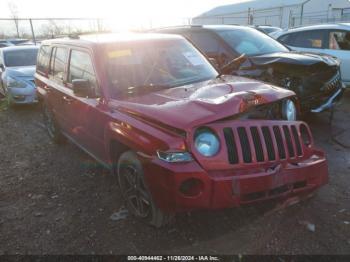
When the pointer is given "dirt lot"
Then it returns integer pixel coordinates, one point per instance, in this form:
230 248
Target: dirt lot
56 200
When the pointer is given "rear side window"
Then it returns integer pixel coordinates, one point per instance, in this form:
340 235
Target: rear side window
58 63
43 61
339 40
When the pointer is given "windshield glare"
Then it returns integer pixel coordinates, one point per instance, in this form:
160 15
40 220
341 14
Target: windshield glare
143 67
251 42
24 57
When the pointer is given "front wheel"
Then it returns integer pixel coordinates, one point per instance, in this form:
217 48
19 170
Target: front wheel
135 192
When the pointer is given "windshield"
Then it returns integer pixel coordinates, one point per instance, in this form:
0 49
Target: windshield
251 42
23 57
143 67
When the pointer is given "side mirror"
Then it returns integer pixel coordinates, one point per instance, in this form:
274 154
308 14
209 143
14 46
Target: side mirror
2 67
82 88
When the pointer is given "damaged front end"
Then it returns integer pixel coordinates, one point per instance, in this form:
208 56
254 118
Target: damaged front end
252 156
318 85
248 161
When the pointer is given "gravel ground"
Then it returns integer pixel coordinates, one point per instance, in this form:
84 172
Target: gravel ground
56 200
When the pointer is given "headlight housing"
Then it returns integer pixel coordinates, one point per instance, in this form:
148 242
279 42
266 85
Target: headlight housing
289 110
206 142
13 82
174 157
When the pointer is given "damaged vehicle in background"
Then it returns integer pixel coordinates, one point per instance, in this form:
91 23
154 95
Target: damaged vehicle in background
177 135
244 51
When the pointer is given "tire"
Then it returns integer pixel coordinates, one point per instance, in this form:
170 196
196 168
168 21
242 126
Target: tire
51 125
135 192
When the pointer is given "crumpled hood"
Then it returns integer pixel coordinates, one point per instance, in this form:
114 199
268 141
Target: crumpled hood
296 58
188 106
21 71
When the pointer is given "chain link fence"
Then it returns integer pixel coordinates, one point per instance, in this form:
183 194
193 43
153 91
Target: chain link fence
44 28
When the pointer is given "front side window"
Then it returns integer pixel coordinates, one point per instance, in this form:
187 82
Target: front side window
58 63
80 67
20 57
339 40
142 67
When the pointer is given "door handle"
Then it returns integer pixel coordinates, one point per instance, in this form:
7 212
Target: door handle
68 99
46 88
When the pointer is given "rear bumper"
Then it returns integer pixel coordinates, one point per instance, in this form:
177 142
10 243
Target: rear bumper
232 188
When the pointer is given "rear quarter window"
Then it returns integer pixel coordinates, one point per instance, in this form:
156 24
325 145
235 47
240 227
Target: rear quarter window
43 60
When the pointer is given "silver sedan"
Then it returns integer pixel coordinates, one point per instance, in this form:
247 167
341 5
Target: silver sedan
17 68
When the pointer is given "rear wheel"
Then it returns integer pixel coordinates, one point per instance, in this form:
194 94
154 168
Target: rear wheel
135 192
51 125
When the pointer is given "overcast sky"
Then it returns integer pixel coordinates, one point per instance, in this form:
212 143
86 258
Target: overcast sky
111 8
119 14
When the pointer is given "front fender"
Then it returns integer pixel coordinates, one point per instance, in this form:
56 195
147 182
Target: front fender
140 136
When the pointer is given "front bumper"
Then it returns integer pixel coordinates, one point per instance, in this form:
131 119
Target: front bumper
331 101
22 95
235 187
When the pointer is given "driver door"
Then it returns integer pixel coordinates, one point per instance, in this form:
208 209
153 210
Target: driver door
86 116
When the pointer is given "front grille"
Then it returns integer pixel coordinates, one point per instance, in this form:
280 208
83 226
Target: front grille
262 143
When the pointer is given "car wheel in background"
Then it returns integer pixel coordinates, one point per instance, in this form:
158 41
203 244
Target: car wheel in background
135 192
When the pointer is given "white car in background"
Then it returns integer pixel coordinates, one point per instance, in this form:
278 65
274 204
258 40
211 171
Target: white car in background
331 39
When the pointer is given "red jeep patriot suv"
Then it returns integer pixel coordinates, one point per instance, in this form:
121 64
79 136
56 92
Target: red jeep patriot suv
178 135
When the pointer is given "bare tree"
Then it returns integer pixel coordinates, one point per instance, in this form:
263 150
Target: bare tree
14 14
51 29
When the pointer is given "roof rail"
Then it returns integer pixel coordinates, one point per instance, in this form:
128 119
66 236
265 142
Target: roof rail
172 27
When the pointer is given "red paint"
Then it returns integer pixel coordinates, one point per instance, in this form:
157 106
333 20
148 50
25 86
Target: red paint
166 120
